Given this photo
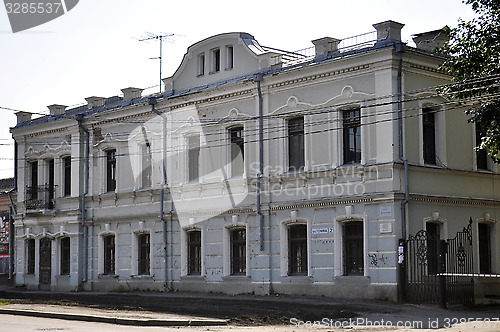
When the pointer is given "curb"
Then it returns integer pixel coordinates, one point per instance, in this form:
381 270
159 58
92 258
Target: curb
115 320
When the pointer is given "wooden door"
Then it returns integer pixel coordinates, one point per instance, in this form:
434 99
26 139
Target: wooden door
45 263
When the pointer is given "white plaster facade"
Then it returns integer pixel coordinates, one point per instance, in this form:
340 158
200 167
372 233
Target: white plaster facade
221 84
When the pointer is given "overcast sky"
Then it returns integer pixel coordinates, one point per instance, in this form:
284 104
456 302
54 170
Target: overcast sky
91 50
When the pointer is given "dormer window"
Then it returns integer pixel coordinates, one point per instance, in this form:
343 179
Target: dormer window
229 57
215 60
201 64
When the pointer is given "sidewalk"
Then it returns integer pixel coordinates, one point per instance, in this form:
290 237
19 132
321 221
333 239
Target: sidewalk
121 317
205 309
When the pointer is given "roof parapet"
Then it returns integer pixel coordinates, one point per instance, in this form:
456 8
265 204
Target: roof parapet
388 31
57 109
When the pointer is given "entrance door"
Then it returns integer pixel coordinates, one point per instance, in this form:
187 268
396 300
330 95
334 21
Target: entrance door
45 263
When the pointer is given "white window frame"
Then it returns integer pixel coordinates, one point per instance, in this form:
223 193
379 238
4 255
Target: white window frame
494 243
184 250
229 164
135 250
228 228
284 226
338 225
213 60
229 57
100 248
439 131
201 64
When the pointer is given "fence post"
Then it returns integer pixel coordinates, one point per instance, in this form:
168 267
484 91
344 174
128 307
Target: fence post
442 245
402 296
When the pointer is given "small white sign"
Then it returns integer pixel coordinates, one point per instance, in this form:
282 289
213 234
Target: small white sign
385 211
385 228
322 230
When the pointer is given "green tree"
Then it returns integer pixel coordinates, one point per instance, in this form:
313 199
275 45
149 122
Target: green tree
474 62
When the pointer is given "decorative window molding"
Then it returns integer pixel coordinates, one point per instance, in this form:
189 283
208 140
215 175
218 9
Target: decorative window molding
339 221
100 248
284 245
433 103
437 219
184 250
136 250
226 243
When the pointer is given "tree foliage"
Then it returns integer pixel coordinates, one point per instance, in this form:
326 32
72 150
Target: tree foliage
474 62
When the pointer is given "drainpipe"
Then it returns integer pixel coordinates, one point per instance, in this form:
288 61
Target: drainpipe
12 235
402 278
258 79
79 118
152 102
400 50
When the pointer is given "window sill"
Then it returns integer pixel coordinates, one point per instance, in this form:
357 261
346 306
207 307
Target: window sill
63 276
107 276
352 280
236 278
142 276
193 277
299 279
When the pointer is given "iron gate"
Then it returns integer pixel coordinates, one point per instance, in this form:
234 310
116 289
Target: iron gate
428 260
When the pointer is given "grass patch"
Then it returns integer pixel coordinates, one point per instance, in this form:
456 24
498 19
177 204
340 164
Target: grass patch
4 303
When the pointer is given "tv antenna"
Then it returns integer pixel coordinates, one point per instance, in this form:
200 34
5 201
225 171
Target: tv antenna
161 38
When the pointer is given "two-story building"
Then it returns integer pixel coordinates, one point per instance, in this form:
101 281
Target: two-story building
256 171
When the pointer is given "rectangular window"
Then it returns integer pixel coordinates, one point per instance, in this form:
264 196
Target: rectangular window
51 185
429 136
484 248
296 160
110 170
297 250
109 254
194 253
237 151
229 57
146 166
67 175
351 120
30 256
353 248
33 187
481 154
65 255
144 254
215 54
238 252
193 158
201 64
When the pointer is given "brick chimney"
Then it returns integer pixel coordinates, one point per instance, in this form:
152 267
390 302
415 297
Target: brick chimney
56 109
131 93
388 31
23 117
429 41
94 102
325 45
